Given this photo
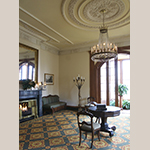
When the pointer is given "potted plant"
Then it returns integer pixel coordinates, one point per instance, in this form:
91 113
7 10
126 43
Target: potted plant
122 90
27 84
126 104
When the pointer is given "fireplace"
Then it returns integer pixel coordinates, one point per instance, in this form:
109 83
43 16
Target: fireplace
30 104
28 108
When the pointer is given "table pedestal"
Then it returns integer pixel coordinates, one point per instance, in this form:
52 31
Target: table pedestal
106 128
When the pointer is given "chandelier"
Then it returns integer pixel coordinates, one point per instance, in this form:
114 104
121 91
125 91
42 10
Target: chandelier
104 50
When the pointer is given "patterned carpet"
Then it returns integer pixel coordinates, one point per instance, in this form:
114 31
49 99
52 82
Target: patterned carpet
60 132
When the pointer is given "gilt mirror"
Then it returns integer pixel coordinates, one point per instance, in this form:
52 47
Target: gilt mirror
28 63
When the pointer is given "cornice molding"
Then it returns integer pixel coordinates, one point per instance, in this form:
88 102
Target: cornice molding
83 47
45 24
25 36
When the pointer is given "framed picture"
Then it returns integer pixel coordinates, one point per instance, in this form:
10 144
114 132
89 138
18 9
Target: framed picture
49 78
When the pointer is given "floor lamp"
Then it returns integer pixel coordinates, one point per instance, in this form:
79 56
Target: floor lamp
79 81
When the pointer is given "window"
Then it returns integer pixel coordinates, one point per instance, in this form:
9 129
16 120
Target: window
26 71
123 77
112 79
103 83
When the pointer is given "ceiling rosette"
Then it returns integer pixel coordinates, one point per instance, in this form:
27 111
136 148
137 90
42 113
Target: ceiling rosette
85 14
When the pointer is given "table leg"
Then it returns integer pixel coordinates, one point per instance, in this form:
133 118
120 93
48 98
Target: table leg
106 128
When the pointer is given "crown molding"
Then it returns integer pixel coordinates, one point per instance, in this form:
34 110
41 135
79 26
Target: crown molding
119 41
36 40
83 47
45 24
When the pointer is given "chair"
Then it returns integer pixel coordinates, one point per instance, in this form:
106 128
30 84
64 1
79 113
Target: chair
86 124
91 102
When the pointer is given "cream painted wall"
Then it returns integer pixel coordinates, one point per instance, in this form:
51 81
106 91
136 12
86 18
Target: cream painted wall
49 63
64 68
70 66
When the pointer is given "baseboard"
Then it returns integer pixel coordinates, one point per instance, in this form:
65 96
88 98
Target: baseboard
72 107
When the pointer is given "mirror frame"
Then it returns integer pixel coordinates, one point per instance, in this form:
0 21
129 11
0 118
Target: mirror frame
36 58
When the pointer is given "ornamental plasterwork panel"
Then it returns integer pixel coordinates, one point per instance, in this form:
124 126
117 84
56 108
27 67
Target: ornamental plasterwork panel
85 14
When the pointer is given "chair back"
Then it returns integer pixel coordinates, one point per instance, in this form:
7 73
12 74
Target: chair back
85 119
91 100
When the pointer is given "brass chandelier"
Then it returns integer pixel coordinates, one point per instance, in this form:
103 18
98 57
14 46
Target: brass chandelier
104 50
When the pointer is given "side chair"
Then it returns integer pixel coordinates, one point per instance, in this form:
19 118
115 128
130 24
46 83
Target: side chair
91 102
86 124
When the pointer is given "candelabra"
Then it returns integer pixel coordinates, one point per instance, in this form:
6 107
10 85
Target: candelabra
79 81
40 86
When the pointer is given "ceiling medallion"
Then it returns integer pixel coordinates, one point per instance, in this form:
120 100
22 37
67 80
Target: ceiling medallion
85 14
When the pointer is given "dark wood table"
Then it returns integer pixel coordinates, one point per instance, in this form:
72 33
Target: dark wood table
111 111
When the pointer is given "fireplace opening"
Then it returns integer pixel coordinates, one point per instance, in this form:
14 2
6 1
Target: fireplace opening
28 108
25 109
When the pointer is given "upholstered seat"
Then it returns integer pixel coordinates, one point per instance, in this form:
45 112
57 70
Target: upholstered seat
86 127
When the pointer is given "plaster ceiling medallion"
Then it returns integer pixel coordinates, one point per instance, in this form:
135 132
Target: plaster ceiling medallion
85 14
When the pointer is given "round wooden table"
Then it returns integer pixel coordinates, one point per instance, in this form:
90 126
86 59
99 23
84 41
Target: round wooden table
111 111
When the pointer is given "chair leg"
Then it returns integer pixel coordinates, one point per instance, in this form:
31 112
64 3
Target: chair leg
86 135
80 138
92 139
99 135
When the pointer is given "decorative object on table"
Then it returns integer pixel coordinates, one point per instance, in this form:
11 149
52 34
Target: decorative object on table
27 84
40 86
122 90
49 79
104 50
101 107
79 81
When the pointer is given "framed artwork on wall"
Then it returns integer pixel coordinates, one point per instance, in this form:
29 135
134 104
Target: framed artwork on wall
49 78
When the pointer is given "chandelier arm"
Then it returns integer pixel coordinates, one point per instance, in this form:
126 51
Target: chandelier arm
103 18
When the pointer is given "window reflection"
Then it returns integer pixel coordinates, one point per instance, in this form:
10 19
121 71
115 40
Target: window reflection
27 71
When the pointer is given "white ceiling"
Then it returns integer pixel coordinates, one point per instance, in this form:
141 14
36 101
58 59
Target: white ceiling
74 24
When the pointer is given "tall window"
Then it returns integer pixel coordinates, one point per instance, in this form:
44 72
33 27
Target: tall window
103 83
123 77
112 79
26 71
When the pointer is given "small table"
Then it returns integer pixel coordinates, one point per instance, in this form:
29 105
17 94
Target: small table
111 111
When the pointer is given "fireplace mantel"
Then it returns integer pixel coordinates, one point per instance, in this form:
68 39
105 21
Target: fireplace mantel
32 94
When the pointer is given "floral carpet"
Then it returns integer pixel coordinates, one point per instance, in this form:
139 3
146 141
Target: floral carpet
60 132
